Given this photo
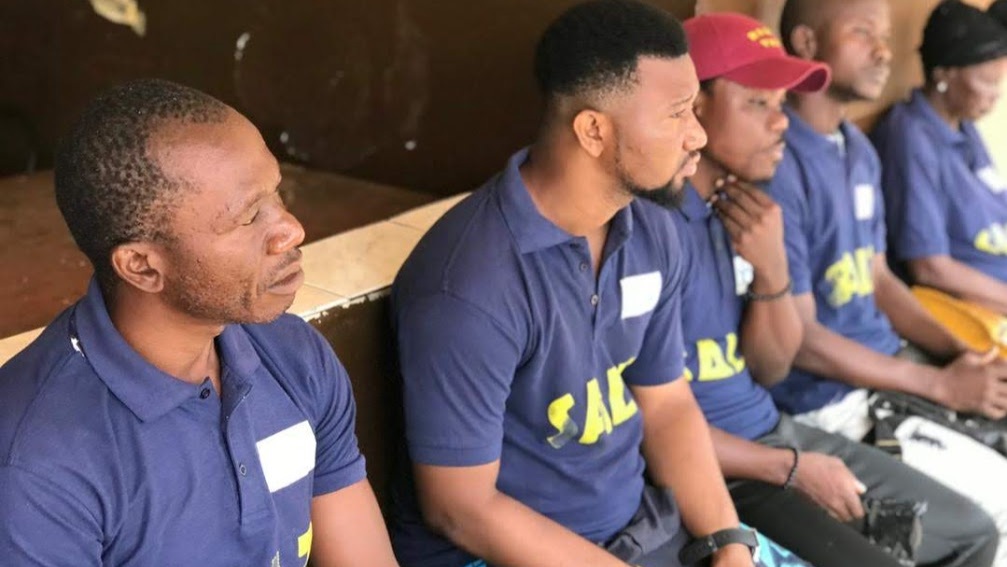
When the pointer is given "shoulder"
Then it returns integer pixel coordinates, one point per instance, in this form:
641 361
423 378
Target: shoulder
40 387
467 251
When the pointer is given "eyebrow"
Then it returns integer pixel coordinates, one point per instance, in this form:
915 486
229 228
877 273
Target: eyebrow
684 100
248 203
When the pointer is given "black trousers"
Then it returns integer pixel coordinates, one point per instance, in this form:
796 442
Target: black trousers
956 532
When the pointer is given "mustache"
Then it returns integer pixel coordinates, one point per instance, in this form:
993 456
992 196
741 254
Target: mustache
291 257
689 157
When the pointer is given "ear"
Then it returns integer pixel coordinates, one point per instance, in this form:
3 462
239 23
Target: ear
592 129
804 42
141 265
942 74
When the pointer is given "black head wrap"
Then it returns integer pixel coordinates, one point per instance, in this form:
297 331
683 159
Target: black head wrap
959 35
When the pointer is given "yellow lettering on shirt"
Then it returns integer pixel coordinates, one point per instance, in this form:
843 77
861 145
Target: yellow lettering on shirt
600 417
851 276
559 417
304 543
597 419
992 240
716 363
622 409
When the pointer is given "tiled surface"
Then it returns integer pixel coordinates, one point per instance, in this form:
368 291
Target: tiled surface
424 217
360 261
13 345
337 269
311 300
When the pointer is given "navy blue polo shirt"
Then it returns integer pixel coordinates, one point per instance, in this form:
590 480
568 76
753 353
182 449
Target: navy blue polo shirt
942 194
715 282
106 460
511 350
829 191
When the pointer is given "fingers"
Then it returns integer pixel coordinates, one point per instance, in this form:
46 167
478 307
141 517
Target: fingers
731 211
992 356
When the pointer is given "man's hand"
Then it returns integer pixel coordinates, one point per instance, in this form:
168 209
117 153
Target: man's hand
826 481
974 383
734 555
755 224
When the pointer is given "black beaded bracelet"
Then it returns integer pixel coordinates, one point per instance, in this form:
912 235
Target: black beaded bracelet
770 296
789 483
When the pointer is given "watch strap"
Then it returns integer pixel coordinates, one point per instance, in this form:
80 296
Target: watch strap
706 546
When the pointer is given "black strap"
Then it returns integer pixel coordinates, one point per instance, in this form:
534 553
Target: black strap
706 546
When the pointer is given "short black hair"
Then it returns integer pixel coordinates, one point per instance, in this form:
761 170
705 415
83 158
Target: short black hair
797 13
109 187
595 46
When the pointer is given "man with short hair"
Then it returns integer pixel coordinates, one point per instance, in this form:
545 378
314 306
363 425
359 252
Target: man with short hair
174 415
742 329
852 307
539 335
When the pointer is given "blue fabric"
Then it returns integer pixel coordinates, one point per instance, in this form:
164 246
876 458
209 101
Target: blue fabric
505 357
833 227
712 312
942 194
106 460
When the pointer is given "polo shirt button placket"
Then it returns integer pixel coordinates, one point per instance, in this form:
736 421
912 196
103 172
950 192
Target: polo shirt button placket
595 300
583 266
242 469
204 393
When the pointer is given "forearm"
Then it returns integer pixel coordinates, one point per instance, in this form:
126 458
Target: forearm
947 274
909 319
680 456
827 353
742 459
771 334
506 533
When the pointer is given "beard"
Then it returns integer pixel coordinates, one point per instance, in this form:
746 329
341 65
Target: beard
668 195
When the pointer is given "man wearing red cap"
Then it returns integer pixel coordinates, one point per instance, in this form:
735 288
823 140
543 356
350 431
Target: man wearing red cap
742 328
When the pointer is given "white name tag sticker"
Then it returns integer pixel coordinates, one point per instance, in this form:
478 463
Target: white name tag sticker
287 456
640 294
744 273
992 179
863 201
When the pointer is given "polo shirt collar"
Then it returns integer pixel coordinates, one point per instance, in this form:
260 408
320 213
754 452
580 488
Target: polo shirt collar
920 107
531 230
693 206
147 391
804 139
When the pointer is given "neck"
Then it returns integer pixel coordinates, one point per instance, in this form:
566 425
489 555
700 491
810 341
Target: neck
820 110
567 190
707 173
937 102
174 343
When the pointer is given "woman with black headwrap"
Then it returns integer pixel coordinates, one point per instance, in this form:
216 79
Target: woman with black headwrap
946 204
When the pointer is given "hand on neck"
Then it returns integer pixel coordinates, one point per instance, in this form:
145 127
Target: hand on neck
707 173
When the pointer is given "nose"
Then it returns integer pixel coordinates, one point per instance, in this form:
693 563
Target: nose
778 122
695 137
882 51
289 234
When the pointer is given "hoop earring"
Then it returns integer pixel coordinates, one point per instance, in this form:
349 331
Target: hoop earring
942 87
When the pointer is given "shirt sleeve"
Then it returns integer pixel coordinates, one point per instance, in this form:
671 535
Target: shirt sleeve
917 205
338 461
662 355
787 190
42 524
457 365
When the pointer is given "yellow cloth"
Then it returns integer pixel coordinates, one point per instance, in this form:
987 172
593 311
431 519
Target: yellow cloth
978 327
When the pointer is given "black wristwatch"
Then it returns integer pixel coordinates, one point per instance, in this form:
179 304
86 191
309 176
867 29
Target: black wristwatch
706 546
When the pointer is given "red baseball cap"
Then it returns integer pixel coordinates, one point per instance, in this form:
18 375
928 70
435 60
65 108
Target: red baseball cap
745 51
